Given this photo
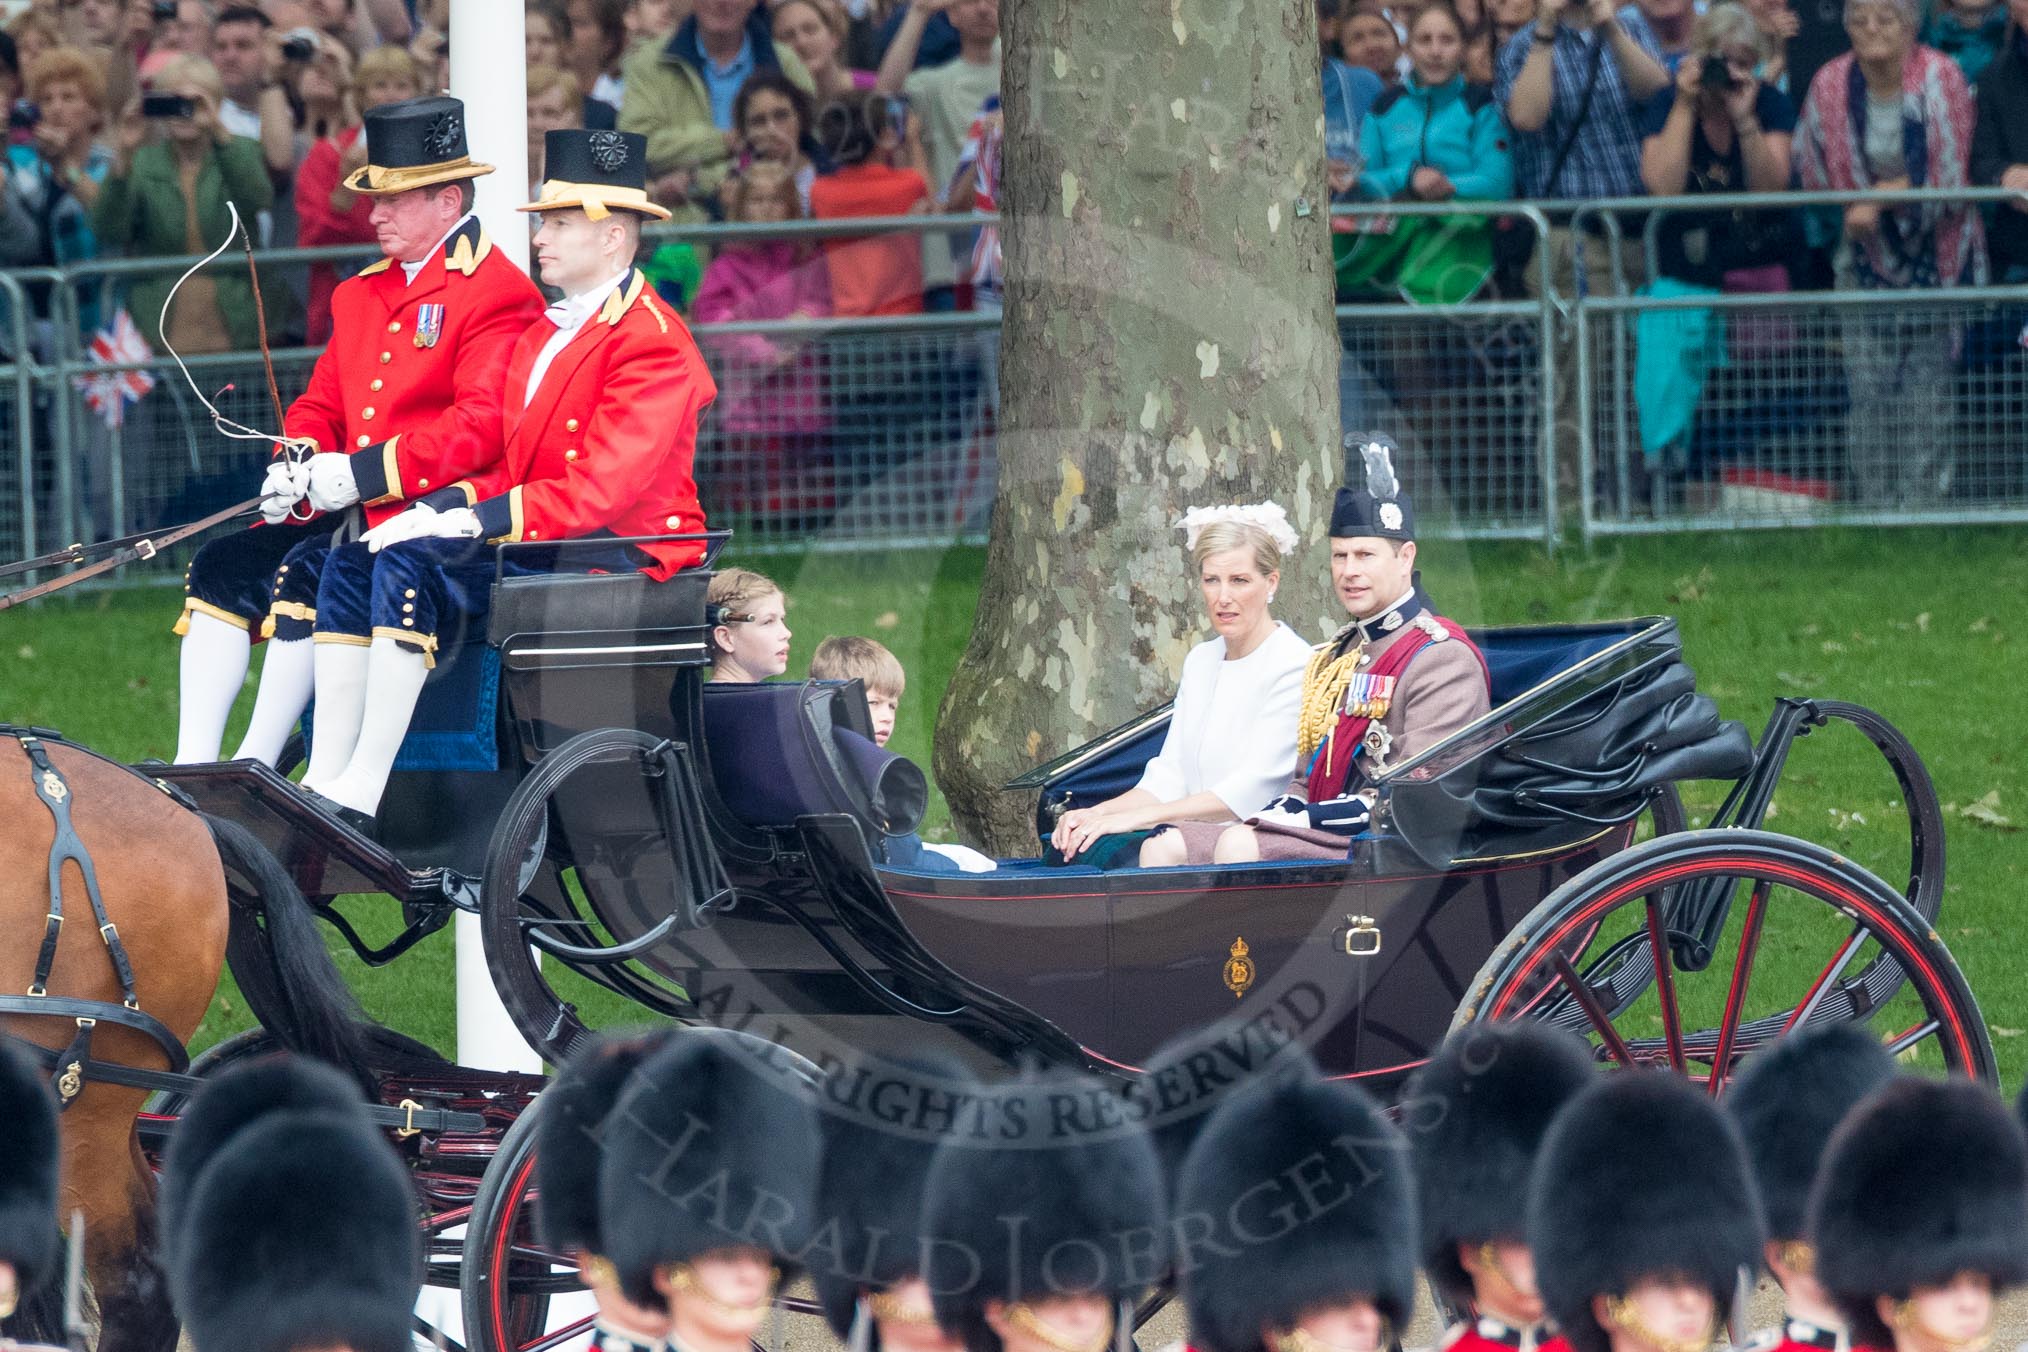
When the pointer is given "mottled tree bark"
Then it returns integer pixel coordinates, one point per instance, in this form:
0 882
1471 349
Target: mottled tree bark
1168 343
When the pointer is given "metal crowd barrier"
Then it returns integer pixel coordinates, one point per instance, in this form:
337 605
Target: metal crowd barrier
1774 409
838 433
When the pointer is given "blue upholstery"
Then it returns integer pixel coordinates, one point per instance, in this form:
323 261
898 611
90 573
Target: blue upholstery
1521 659
782 749
455 725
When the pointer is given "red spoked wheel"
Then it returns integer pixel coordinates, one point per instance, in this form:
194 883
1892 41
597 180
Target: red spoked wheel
509 1275
1808 937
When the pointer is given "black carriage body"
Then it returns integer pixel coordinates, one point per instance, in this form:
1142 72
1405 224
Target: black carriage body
724 842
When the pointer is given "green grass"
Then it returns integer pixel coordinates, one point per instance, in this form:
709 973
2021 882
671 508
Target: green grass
1924 626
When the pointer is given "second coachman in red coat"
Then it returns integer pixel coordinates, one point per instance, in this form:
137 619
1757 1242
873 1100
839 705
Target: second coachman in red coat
599 425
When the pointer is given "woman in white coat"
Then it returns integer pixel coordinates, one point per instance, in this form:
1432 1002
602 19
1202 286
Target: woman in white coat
1231 744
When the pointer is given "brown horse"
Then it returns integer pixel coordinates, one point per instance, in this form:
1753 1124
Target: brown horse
170 878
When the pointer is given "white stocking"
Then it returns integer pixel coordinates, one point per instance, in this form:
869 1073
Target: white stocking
213 666
284 691
394 682
341 704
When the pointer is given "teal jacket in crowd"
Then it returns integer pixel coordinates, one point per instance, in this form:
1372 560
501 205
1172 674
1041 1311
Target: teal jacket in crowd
1454 128
1972 48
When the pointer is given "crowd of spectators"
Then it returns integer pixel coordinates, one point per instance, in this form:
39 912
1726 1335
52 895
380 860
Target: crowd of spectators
132 122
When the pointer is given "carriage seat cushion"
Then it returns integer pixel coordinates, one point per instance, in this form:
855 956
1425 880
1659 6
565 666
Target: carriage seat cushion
780 750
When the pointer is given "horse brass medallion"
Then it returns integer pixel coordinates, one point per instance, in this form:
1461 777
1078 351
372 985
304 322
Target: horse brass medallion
1239 971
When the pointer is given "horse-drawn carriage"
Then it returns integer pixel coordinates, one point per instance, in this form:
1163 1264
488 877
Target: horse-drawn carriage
648 844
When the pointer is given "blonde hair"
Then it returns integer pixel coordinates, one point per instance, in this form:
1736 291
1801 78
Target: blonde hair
730 598
387 62
67 65
543 77
847 657
1725 25
1220 536
830 15
193 70
765 178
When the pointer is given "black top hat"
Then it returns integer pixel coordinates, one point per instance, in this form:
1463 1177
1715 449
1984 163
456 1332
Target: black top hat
28 1173
1475 1117
1788 1100
1058 1194
711 1131
1379 508
1923 1180
597 171
1642 1175
570 1137
1321 1157
415 144
303 1234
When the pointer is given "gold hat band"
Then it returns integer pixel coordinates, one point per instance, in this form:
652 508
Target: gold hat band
597 200
375 181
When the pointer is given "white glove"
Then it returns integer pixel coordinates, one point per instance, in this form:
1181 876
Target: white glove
423 522
286 482
331 483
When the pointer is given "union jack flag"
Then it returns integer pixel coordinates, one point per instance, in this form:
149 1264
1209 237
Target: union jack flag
109 393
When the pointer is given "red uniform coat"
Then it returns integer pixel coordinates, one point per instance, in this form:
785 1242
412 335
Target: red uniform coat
413 394
609 439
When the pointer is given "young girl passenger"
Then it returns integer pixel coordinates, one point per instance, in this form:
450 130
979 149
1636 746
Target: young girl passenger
770 388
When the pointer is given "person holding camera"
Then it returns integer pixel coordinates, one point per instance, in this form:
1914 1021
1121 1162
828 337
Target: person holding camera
174 168
1720 130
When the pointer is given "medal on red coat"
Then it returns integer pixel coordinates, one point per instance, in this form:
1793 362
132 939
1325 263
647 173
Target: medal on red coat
429 325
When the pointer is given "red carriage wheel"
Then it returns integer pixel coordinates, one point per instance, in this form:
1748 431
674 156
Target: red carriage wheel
1805 937
509 1276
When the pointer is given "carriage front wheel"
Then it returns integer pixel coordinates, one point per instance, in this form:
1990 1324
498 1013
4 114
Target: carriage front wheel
1809 938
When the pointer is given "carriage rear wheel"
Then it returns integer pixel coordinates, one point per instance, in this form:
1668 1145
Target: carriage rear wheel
509 1275
1808 938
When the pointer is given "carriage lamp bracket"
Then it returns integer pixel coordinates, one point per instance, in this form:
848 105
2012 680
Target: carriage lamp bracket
1362 937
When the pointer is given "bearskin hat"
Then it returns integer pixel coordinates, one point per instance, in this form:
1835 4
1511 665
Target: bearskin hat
1475 1117
1602 1215
1055 1192
1788 1098
302 1234
881 1123
1923 1180
712 1145
237 1098
569 1144
28 1172
1349 1231
1188 1077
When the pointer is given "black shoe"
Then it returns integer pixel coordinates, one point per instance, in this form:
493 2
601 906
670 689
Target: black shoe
351 816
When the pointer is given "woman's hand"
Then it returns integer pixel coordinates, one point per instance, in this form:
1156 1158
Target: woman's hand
1690 78
1742 100
1862 220
1430 185
1078 828
130 133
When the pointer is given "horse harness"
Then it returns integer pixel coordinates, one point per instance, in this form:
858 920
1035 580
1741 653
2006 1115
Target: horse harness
69 1066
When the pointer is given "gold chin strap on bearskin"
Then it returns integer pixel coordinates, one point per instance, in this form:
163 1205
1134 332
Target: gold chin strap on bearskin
1906 1320
1628 1320
1302 1340
889 1308
681 1278
1797 1256
1489 1259
1022 1316
598 1270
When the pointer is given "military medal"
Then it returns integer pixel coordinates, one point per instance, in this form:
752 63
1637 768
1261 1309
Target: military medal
1376 743
1368 696
429 325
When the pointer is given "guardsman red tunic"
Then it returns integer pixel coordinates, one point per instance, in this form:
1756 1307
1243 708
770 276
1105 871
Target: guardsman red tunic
1492 1335
1794 1335
609 439
412 380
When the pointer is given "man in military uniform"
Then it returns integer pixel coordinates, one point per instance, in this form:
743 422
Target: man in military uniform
1395 681
296 1232
1919 1215
569 1135
1475 1117
599 425
707 1184
405 398
1788 1099
1301 1202
1641 1211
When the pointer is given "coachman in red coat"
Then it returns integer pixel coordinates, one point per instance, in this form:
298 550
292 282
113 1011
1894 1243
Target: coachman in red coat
599 424
405 398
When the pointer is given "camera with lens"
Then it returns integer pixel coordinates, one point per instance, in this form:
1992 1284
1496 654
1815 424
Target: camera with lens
167 105
1717 75
165 10
23 115
299 46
